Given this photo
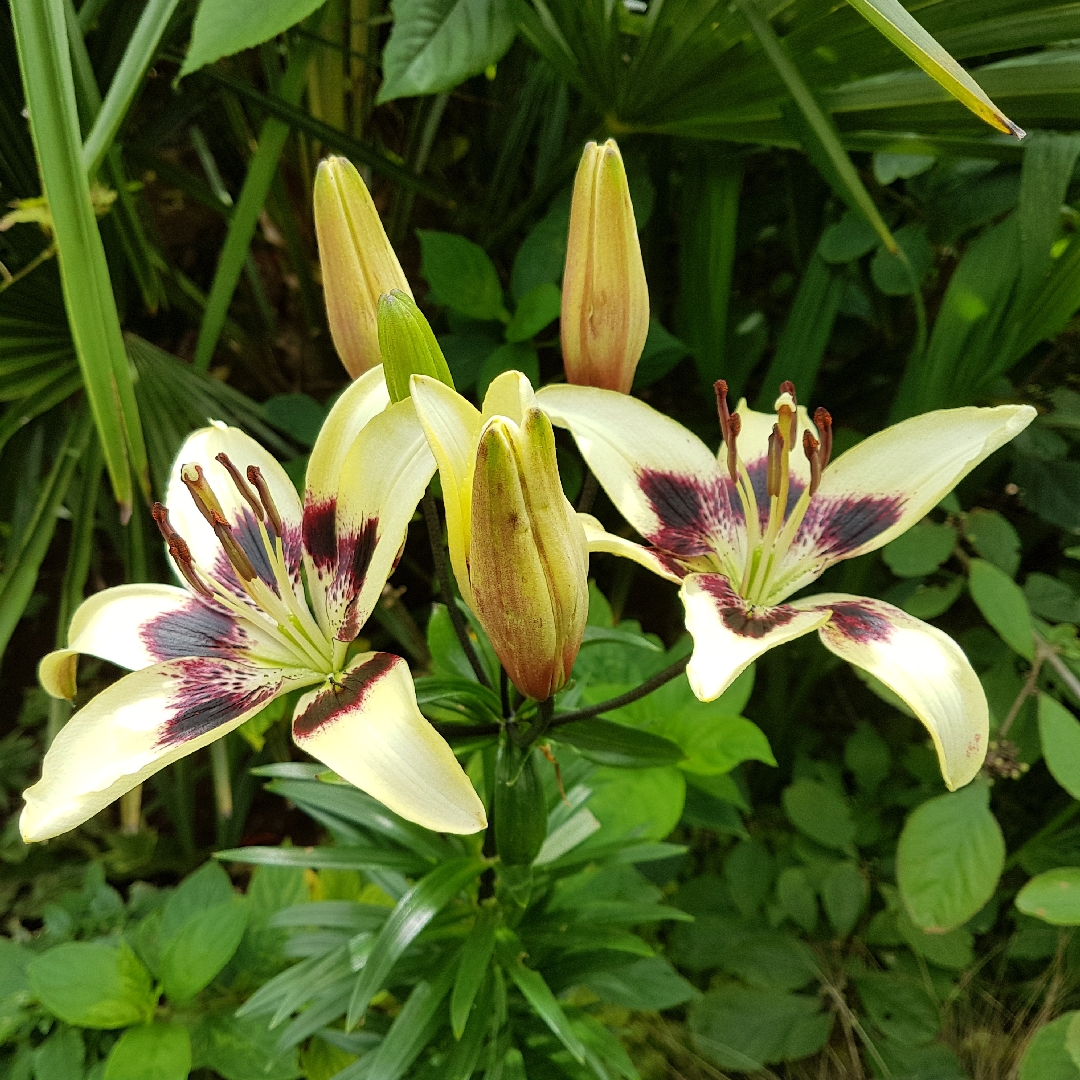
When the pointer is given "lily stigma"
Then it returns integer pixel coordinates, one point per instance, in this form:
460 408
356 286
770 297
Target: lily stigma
744 530
275 593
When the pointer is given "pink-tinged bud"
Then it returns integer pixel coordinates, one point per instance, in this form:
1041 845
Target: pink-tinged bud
605 300
358 263
528 561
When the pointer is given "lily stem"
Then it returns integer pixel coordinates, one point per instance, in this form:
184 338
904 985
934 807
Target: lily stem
219 768
589 489
442 573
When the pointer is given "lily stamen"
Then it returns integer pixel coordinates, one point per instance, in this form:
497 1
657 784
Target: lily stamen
179 550
242 486
823 423
810 448
255 476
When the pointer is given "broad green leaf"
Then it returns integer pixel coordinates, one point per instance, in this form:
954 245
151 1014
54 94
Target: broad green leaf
642 803
618 745
900 1008
206 887
536 991
921 550
461 275
905 32
59 1057
94 985
748 873
950 856
820 812
797 898
1047 1056
537 308
198 950
1059 731
436 44
848 239
513 356
298 414
1053 896
1002 603
646 984
473 967
154 1052
844 893
901 276
768 959
867 755
994 538
224 29
746 1029
413 912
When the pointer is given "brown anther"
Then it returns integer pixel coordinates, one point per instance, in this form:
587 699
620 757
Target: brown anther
241 485
233 551
731 445
823 423
788 387
720 386
179 550
775 463
255 476
810 447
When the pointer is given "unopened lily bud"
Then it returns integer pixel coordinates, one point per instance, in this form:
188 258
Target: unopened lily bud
358 263
605 300
528 560
408 345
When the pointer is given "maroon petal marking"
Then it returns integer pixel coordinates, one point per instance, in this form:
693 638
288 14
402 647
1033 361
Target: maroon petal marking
740 617
354 555
693 514
208 693
833 528
342 696
320 533
860 621
196 629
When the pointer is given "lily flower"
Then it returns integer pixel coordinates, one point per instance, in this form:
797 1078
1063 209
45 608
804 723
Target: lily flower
743 531
206 657
517 548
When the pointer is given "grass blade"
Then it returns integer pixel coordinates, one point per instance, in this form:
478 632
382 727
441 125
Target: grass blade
126 82
904 31
260 175
95 326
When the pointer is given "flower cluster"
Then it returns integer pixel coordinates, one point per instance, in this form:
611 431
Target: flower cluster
277 587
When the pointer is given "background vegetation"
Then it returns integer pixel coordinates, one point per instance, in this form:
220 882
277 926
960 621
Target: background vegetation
774 884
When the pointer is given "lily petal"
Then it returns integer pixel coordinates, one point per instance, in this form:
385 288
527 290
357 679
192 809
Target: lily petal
597 538
452 427
511 395
201 448
663 479
729 634
920 664
139 725
382 479
888 482
135 626
368 729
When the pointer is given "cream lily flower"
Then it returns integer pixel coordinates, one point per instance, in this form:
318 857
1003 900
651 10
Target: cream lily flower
742 537
206 657
516 545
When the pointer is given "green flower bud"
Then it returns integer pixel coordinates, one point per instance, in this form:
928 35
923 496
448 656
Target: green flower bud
407 345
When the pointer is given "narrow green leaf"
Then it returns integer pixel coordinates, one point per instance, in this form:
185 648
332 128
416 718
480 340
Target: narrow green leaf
905 32
413 912
95 326
63 384
538 994
137 57
466 1054
414 1026
619 745
260 175
25 556
1003 605
818 124
327 858
475 956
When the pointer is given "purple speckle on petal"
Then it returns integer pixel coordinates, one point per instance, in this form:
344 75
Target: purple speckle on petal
342 697
692 513
859 622
738 616
208 693
196 629
841 526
